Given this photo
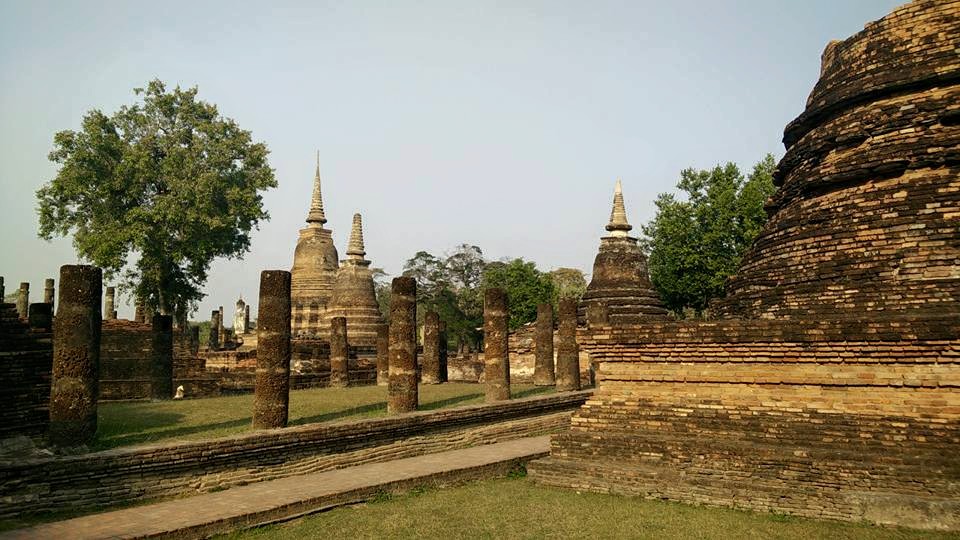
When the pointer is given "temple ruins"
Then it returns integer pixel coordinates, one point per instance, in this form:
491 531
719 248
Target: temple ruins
827 387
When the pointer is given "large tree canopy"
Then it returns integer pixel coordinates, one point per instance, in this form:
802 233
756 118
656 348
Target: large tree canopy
695 243
155 192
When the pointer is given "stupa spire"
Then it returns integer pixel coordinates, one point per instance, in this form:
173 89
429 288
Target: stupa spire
316 214
618 225
355 248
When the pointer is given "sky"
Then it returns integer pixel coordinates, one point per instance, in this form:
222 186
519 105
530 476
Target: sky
499 124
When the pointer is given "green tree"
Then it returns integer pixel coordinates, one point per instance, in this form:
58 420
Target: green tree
157 191
696 242
525 285
381 288
567 282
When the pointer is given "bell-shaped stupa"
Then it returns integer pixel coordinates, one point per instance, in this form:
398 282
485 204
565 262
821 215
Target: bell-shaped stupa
315 264
620 281
865 220
353 294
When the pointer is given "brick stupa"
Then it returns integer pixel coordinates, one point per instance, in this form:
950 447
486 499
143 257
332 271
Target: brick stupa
353 295
620 280
830 385
315 265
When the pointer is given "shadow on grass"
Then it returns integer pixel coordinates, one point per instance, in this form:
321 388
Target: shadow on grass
108 440
380 406
448 402
533 391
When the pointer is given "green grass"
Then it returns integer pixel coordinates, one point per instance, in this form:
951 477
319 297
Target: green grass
518 508
131 423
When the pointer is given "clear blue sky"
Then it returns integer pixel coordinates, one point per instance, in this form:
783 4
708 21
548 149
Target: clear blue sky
500 124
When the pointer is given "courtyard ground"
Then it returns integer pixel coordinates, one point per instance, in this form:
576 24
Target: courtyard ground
130 423
518 508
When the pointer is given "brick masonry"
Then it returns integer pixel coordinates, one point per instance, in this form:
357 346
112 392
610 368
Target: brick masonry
830 386
129 474
26 356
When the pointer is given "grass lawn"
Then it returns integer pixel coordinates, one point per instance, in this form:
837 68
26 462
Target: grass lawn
123 424
518 508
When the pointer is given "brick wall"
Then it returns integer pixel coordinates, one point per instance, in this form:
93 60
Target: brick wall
129 474
127 358
844 419
26 362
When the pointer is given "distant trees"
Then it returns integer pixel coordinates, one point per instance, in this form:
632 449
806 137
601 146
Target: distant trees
453 286
156 191
696 242
526 288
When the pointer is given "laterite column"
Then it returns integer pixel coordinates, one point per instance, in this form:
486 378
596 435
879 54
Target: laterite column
23 300
161 385
339 352
443 352
41 316
568 355
496 362
402 388
272 390
213 340
430 364
48 291
543 347
383 355
76 357
110 310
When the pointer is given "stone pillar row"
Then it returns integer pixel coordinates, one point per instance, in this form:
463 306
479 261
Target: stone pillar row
430 370
23 300
568 354
543 374
402 385
272 391
339 352
76 357
383 355
496 361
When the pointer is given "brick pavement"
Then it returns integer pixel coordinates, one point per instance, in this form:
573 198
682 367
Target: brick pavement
287 498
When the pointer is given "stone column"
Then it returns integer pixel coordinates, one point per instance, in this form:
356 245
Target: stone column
76 357
443 352
138 312
161 385
221 329
41 316
194 341
213 340
430 361
48 291
383 355
272 392
3 291
109 304
23 300
568 355
402 388
339 352
543 347
246 319
496 362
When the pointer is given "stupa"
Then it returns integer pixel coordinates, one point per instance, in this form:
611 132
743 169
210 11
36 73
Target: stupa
620 280
353 295
827 386
315 264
